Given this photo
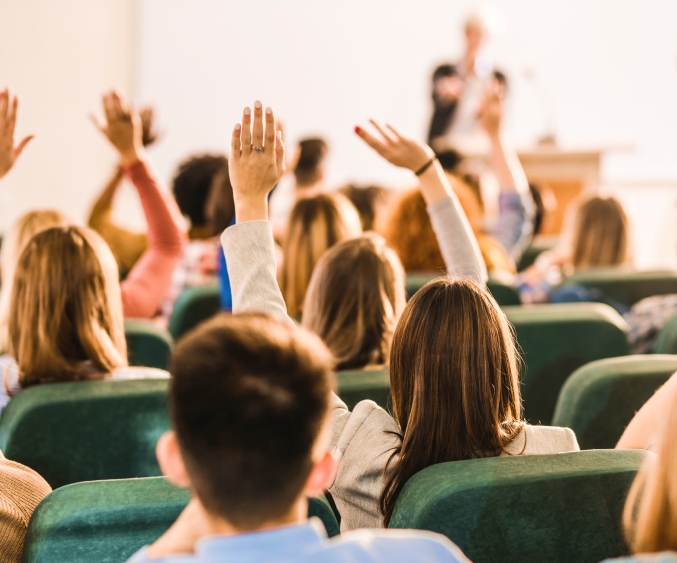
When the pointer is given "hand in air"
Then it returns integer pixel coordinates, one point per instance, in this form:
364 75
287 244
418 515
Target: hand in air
8 151
396 149
491 112
122 126
256 163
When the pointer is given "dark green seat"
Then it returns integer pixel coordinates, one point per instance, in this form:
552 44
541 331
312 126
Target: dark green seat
628 286
147 345
555 341
666 342
72 432
194 305
108 521
599 400
561 508
504 293
356 386
533 251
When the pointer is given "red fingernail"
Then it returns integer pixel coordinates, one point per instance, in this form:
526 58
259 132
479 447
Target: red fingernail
357 130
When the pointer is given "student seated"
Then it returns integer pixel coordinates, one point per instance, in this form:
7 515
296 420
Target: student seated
250 403
453 363
370 202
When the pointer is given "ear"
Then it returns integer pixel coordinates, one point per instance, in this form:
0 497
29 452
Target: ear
321 475
170 460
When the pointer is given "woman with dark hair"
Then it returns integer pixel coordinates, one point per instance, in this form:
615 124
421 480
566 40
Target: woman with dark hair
454 376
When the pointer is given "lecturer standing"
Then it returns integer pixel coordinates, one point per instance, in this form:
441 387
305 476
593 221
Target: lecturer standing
459 92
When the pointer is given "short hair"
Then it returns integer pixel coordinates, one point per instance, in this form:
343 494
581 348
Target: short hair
312 153
248 399
368 200
192 183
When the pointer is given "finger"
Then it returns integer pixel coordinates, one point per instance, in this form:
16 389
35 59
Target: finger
125 103
235 142
373 142
397 135
279 153
386 137
20 147
257 129
100 125
117 104
11 120
270 128
246 131
108 108
4 102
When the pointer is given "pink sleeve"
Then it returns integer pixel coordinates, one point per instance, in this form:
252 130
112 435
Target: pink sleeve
149 279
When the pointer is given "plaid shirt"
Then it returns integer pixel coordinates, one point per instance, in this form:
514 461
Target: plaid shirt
646 319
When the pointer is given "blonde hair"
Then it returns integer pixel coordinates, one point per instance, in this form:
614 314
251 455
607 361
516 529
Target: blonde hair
354 300
316 224
650 515
12 245
66 308
600 236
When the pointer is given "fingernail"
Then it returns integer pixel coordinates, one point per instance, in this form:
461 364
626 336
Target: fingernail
247 111
269 111
257 104
279 135
237 127
357 130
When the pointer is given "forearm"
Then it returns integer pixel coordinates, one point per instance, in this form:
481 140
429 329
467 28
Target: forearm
507 167
103 205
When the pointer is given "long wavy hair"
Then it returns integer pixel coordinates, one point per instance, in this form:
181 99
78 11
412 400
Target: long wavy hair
454 381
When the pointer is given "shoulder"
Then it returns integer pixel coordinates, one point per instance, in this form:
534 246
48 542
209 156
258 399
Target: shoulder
544 440
130 372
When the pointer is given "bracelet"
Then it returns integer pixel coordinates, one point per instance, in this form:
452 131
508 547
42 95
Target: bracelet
425 166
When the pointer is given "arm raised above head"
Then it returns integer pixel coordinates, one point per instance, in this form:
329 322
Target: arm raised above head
9 152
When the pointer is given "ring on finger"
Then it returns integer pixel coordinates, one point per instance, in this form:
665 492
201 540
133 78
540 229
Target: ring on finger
257 149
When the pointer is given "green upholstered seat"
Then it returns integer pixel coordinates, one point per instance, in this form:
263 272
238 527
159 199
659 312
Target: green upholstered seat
504 293
559 508
194 305
72 432
666 342
555 341
356 386
533 251
628 286
599 400
147 345
108 521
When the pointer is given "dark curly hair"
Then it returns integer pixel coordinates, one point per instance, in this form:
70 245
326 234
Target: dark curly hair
192 183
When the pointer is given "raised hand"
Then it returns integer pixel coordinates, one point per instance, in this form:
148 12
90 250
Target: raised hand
256 163
397 149
8 151
122 126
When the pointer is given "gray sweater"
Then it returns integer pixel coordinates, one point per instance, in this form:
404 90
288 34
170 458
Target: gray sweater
362 437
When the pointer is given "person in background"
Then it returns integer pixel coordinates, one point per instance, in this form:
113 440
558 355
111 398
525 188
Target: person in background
370 202
545 204
127 246
316 224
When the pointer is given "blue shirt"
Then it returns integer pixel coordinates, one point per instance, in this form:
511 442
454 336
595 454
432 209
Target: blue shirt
306 543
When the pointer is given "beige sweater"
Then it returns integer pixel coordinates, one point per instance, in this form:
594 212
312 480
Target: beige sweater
361 436
21 490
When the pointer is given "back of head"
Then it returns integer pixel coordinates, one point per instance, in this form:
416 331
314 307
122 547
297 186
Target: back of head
650 515
600 237
354 300
192 183
410 233
308 169
248 399
220 209
454 380
368 200
316 224
66 308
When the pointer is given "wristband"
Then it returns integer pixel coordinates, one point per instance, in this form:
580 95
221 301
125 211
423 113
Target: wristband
425 166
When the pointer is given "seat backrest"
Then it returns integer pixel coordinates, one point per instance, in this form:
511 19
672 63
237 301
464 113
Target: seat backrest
555 341
356 386
666 342
147 345
108 521
627 286
559 508
599 400
194 305
504 293
72 432
534 250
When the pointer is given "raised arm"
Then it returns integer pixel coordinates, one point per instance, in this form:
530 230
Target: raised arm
9 152
457 241
150 278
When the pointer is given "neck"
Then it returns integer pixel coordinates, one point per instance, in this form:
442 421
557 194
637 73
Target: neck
216 525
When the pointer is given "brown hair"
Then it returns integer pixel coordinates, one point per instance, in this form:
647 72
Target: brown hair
369 201
454 381
66 308
650 515
354 299
220 206
600 234
311 155
316 224
248 398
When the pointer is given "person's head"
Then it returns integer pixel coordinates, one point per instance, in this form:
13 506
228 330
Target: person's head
249 405
475 32
220 209
192 183
369 202
308 169
65 318
546 206
650 515
316 223
600 236
354 299
454 380
410 233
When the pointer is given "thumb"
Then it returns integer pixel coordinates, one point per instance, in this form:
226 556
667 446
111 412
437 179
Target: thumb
100 125
19 149
279 152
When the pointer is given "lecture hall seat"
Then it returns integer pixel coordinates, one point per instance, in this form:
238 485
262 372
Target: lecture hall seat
599 400
194 305
503 293
558 508
360 385
147 345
